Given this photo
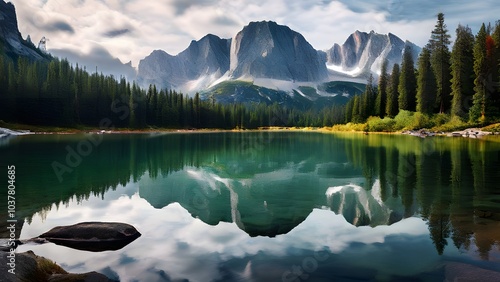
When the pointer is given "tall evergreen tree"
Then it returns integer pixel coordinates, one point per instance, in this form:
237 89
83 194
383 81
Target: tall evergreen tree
367 100
426 83
496 69
440 60
356 110
407 82
381 100
391 107
462 64
348 111
478 109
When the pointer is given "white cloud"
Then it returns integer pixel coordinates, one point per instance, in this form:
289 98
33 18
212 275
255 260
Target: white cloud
143 26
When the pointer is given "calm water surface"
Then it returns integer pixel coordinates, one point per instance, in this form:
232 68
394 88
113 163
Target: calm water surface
277 206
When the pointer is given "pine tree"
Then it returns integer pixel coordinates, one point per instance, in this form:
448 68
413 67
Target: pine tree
3 88
391 108
367 100
478 109
440 61
381 100
407 82
496 70
462 63
348 111
11 92
426 83
356 112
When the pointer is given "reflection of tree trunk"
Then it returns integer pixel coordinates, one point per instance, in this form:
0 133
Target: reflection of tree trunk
390 174
426 183
439 222
382 173
406 181
461 208
486 177
439 226
369 166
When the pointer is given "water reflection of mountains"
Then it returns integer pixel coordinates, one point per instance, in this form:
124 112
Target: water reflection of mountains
269 183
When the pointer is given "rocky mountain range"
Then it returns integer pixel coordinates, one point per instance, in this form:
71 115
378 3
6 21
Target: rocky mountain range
268 62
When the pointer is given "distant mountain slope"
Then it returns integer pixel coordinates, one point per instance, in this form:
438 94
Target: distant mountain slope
11 42
303 97
98 57
195 68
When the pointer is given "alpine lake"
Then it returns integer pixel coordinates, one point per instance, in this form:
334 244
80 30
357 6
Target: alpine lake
265 206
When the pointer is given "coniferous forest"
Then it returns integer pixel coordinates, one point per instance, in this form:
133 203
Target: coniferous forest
461 85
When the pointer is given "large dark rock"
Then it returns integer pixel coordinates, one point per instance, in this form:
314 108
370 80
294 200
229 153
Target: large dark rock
93 236
30 267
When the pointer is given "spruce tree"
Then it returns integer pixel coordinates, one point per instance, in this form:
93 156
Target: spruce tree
426 83
496 69
440 61
349 110
367 100
462 64
381 101
356 110
478 109
407 82
391 107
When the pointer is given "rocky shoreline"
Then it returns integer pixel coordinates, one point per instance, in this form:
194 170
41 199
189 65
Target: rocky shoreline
30 267
467 133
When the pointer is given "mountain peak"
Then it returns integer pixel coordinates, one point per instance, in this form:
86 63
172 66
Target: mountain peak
363 53
200 64
262 23
268 50
15 45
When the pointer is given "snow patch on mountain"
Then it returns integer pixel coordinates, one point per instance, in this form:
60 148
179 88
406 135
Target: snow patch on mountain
339 69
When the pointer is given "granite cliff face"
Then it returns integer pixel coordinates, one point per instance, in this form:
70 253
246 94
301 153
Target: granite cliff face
363 53
11 41
268 50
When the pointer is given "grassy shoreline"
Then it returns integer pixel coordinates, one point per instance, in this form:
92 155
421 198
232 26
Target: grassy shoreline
347 128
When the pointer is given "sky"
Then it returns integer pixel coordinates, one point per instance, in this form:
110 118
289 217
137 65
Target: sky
98 30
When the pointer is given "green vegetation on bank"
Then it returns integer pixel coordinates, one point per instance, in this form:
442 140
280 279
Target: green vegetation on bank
406 120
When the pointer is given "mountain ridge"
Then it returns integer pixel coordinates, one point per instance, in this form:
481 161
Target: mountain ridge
272 56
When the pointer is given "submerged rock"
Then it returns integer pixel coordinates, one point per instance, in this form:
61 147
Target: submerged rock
456 271
93 236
